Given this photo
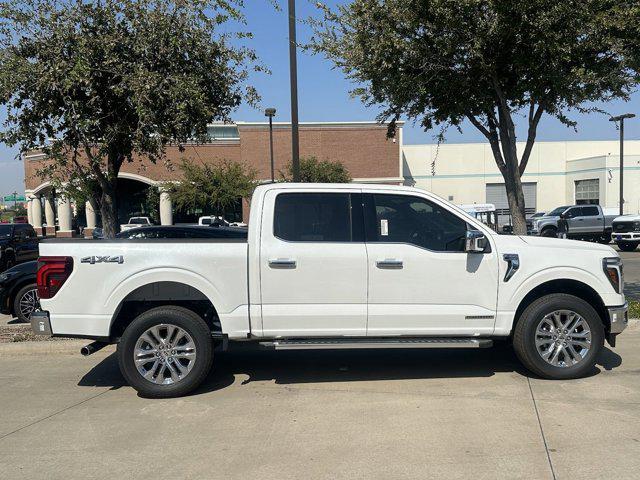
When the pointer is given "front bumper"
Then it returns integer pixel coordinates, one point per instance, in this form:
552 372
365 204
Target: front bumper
618 318
40 324
626 237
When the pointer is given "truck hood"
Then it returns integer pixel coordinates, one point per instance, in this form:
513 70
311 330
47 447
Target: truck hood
550 242
627 218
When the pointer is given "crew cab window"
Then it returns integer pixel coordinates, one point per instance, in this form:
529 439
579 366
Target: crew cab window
590 211
414 220
573 212
313 217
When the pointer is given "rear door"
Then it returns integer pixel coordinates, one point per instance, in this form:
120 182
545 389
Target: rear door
593 219
313 264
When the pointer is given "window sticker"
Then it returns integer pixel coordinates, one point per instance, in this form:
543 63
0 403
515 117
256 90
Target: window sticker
384 228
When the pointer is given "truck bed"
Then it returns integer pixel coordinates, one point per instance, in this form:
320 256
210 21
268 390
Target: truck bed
106 271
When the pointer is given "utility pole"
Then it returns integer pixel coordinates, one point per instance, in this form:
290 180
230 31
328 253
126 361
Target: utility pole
621 119
271 112
293 73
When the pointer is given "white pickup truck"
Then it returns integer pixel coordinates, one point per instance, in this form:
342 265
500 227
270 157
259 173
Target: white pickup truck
333 266
626 232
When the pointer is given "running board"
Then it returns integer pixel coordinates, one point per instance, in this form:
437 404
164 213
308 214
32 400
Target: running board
352 343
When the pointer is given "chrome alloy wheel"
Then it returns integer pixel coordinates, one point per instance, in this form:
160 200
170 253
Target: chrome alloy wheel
563 338
164 354
29 303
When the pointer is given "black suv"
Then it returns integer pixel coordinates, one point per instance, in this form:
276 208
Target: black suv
18 243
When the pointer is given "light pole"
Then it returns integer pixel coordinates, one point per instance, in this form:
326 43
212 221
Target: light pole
271 112
621 118
293 74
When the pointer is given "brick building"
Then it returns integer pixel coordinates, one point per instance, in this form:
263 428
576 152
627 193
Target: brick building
362 147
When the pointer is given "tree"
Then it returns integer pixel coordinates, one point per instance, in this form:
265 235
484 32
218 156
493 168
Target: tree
97 84
313 170
215 186
487 61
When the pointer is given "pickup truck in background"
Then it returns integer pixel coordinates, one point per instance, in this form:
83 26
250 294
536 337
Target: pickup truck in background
626 232
135 222
586 222
328 266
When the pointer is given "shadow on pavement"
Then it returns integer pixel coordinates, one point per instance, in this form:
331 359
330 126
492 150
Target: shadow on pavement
299 367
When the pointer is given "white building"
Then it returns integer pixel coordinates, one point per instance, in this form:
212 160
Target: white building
558 173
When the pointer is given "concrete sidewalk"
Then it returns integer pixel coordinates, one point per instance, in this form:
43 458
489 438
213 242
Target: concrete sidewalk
359 414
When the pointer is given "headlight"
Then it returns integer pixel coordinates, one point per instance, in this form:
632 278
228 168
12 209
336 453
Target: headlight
612 267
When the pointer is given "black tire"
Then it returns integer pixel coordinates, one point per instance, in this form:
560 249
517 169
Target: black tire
549 232
186 320
605 239
525 330
17 310
627 246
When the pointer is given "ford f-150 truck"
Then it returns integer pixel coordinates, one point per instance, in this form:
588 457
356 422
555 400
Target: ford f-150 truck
626 232
585 222
327 267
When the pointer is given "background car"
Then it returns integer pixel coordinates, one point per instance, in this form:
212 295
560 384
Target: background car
18 244
170 231
18 292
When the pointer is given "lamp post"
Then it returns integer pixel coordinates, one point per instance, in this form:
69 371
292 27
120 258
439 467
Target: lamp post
271 112
293 74
621 118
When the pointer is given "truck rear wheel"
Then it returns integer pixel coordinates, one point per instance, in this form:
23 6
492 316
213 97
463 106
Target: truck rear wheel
559 336
549 232
627 246
166 352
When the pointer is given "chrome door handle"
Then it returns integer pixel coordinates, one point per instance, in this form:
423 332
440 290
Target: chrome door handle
389 263
282 263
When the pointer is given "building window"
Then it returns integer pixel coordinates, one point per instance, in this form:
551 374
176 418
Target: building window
588 192
223 132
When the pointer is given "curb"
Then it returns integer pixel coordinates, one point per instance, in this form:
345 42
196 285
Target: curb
70 347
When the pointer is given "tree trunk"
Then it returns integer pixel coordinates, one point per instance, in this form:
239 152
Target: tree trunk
515 197
109 211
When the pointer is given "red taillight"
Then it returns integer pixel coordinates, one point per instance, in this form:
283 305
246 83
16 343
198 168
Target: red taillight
52 273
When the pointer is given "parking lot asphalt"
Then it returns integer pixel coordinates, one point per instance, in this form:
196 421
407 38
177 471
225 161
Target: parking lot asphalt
344 414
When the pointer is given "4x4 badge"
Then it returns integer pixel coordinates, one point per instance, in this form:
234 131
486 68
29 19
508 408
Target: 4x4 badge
103 259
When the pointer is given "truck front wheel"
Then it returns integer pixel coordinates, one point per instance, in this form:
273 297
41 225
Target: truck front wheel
627 246
559 336
549 232
166 352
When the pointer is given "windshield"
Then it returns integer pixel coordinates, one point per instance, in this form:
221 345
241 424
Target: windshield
556 211
138 221
5 231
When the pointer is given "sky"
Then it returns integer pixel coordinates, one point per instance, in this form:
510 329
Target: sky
323 93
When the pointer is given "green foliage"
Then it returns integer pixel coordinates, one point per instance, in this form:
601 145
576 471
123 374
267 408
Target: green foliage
212 186
313 170
443 61
96 84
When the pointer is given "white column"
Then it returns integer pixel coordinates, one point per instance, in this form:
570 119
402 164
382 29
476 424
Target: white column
64 216
36 212
29 216
49 212
166 208
91 215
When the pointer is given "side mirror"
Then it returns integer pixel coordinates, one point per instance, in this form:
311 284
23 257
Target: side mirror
475 242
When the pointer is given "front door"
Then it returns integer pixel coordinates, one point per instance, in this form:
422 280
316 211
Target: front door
421 281
313 264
